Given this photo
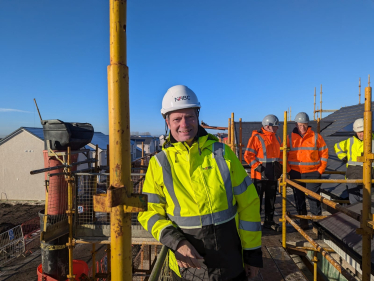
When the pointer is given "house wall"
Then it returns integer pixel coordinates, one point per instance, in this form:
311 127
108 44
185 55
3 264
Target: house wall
20 155
151 147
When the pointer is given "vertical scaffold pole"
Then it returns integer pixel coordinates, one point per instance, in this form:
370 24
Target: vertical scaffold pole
232 133
70 213
284 184
366 203
359 90
320 110
240 141
119 141
315 266
229 133
314 111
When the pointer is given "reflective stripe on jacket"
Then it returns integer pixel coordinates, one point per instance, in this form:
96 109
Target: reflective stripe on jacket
263 147
188 191
350 148
308 153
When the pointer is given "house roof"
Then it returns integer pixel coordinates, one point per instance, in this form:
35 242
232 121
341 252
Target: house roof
102 140
98 138
37 132
147 139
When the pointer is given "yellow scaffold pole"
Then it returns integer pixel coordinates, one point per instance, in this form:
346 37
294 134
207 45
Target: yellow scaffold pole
284 184
365 230
232 133
119 142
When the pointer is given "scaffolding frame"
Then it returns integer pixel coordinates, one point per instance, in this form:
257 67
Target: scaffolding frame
365 219
319 110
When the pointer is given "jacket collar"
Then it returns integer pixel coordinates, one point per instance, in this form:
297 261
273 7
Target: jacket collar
201 138
266 133
308 131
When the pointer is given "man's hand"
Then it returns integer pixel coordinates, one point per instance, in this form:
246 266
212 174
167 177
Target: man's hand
261 169
251 271
187 256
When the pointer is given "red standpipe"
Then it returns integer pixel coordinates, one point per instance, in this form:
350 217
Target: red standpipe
58 187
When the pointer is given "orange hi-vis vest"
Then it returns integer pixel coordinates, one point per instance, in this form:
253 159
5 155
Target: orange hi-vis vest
263 147
308 153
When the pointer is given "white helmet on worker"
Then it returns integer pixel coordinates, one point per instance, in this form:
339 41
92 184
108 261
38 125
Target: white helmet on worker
270 120
178 97
302 117
358 125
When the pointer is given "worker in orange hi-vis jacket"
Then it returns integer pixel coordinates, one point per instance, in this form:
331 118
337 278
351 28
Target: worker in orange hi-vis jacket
264 156
306 159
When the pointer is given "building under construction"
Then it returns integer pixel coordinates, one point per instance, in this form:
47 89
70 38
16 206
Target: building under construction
88 228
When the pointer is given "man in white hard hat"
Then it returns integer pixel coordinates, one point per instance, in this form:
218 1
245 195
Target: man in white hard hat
201 203
264 156
306 159
348 151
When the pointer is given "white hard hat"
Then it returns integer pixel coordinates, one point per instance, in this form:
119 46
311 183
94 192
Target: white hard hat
270 120
358 125
178 97
302 117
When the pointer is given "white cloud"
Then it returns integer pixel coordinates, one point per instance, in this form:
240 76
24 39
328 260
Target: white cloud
13 110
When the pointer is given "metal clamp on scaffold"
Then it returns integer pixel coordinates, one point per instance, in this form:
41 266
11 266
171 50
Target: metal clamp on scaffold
118 196
52 247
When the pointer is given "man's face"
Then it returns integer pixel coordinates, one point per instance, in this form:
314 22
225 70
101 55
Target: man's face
302 127
183 124
360 135
271 129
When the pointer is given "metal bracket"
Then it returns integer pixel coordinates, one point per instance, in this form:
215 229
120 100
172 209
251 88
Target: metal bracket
363 158
134 203
361 231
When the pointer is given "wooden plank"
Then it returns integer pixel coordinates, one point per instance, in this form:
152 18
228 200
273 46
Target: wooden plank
285 264
270 271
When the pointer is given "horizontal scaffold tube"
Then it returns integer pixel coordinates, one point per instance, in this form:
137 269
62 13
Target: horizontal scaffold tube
333 205
324 253
329 181
334 172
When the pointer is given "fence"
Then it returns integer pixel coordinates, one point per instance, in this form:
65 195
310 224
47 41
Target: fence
19 240
87 222
100 267
31 233
12 244
144 258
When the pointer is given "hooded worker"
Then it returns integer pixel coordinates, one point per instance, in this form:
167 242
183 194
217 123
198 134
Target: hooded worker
201 203
263 155
348 150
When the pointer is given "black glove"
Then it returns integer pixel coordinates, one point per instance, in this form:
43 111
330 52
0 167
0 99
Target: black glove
345 160
261 169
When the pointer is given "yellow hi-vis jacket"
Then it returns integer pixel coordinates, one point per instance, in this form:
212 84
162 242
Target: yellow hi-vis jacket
189 192
351 149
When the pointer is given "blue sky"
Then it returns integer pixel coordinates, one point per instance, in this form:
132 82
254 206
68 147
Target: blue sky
250 57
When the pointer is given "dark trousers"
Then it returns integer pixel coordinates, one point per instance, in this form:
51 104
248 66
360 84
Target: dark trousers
270 189
315 205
